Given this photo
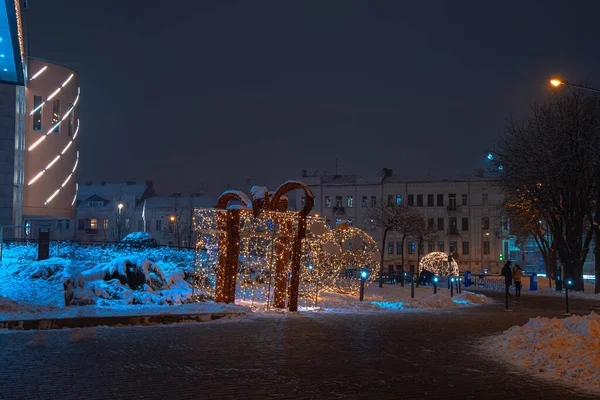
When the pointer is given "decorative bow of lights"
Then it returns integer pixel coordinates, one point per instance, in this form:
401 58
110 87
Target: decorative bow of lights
262 202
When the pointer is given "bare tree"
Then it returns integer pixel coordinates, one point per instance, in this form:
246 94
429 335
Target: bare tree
122 223
392 217
422 232
180 222
551 162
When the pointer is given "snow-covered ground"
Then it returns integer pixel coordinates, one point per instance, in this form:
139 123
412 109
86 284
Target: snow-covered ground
567 349
131 281
544 289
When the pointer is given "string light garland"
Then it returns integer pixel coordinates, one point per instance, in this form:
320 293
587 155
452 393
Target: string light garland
437 264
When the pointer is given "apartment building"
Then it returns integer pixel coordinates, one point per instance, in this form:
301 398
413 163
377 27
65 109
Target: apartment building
465 214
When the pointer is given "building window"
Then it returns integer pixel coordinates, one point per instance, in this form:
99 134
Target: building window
148 225
399 247
94 224
430 248
70 123
398 199
390 200
484 198
411 199
338 201
327 201
464 200
350 222
56 115
81 224
430 200
453 225
440 200
486 247
485 223
364 201
431 223
140 226
373 201
67 224
419 200
59 225
158 225
411 248
452 202
453 247
465 247
390 247
465 224
37 116
327 223
302 201
350 201
105 224
440 224
441 246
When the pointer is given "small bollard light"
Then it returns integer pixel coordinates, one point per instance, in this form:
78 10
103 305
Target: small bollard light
363 277
435 281
451 287
569 283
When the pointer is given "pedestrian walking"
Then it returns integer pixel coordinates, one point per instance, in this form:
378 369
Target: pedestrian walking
507 273
517 275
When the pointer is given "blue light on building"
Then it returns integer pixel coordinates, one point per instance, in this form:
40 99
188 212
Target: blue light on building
11 43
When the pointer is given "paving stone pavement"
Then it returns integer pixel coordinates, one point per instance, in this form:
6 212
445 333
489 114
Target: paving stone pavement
383 355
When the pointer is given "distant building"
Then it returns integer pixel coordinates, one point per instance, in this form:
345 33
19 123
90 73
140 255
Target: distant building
465 214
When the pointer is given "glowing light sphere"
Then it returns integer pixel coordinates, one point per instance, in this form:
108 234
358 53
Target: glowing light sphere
340 259
437 264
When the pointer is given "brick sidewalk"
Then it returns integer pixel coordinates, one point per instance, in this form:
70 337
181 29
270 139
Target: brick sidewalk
392 355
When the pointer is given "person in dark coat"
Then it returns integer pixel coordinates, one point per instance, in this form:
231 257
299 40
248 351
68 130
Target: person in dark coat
507 273
517 276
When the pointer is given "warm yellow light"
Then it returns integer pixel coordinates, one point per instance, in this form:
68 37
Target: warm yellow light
172 218
120 206
556 82
487 234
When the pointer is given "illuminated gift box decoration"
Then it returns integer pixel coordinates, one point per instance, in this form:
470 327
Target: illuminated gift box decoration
254 245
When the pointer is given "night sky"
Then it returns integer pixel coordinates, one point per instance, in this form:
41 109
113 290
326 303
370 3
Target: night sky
221 92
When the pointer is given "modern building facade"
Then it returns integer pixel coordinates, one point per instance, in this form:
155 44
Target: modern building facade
464 213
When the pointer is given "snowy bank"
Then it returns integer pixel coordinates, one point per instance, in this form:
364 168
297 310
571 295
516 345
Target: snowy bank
567 349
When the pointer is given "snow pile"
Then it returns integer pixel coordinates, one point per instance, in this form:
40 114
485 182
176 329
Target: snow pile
567 348
396 297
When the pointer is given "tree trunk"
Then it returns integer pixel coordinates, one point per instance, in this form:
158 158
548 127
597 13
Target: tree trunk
597 243
418 261
402 254
385 232
574 273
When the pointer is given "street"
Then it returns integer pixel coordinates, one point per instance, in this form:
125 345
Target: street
405 354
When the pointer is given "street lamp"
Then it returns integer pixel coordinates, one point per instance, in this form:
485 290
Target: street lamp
558 82
363 277
435 281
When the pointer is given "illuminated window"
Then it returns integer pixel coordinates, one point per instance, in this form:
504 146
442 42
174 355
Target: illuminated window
37 116
411 248
56 115
93 224
327 201
70 123
390 247
350 201
398 199
105 224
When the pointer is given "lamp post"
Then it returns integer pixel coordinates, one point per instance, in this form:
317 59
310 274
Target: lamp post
569 283
435 281
119 230
560 82
451 287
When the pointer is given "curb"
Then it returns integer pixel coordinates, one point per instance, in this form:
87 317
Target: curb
86 322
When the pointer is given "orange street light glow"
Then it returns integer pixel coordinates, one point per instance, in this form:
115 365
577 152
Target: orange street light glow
556 82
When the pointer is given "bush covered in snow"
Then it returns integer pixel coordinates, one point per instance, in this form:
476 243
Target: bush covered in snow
142 239
129 280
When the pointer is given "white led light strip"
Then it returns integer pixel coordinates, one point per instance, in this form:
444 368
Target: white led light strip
38 176
38 73
52 95
65 182
76 191
40 140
